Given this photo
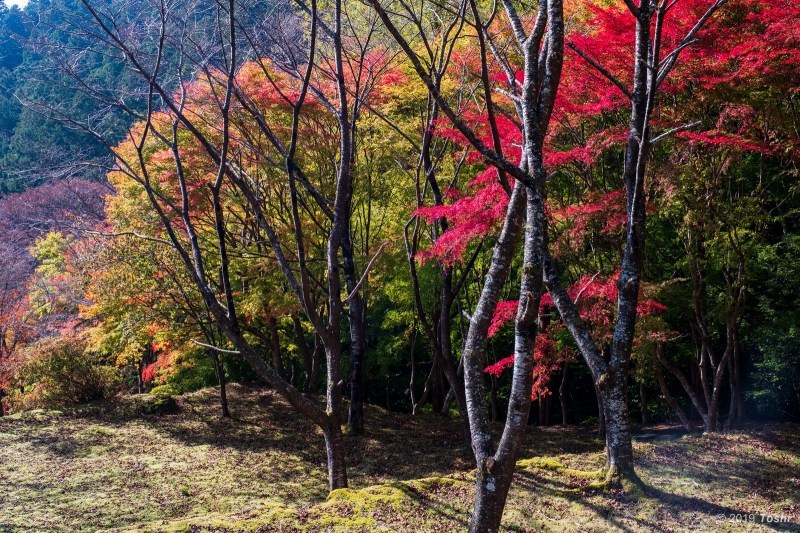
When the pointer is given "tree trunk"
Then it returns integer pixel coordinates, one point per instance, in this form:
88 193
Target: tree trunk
495 464
490 500
412 355
676 408
493 400
619 447
493 479
643 403
449 398
355 419
316 367
736 409
445 353
219 369
542 404
275 346
295 273
437 393
733 393
562 393
712 422
427 388
305 351
601 413
709 412
357 320
334 446
334 442
547 409
496 468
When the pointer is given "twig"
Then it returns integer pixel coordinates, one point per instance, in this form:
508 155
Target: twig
215 348
613 79
673 131
131 234
580 292
366 272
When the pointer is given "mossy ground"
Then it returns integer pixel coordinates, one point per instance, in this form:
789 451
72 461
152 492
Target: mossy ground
133 466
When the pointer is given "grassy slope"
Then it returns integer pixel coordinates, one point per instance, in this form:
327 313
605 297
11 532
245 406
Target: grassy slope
114 467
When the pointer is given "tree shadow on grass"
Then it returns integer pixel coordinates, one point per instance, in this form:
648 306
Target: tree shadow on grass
753 462
395 446
678 502
557 440
438 506
547 487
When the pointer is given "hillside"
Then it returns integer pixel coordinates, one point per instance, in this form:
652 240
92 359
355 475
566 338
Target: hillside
136 464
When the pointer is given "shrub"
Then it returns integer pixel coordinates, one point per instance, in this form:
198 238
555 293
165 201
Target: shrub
60 371
165 390
159 404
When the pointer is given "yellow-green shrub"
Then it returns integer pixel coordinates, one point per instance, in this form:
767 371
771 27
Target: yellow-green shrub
59 371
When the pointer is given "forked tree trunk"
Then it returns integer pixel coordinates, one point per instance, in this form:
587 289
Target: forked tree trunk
328 420
496 467
543 59
650 68
709 411
711 368
186 241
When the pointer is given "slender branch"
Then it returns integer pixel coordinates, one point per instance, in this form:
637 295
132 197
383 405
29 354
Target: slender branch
366 272
670 60
673 131
215 348
613 79
580 292
130 234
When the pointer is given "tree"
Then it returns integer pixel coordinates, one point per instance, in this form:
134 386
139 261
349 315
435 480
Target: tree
535 100
725 217
314 82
